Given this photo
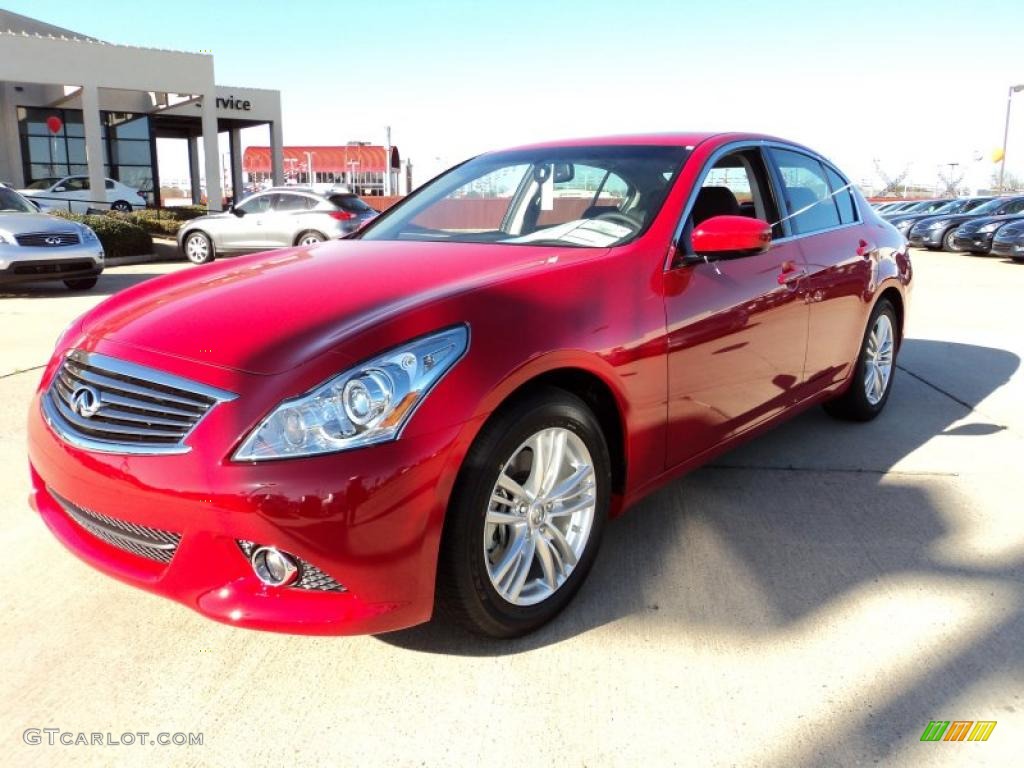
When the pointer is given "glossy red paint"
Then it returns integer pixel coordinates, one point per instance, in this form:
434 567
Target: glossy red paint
696 357
731 234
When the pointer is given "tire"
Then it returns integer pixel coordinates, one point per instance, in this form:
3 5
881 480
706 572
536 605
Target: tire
311 237
1018 259
81 283
478 567
863 400
947 240
121 206
198 248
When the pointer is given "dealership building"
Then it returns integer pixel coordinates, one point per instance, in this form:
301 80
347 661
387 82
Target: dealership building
72 104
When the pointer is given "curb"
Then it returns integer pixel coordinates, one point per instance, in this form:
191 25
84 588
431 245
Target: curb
164 250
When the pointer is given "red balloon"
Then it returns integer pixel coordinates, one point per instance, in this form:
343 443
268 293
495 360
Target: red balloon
54 124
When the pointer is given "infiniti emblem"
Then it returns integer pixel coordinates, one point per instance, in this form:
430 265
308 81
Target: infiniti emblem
85 401
54 240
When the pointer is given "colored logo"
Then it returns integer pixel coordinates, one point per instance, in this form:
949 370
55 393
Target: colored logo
958 730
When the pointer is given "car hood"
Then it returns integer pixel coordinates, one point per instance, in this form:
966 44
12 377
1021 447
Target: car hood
270 312
17 223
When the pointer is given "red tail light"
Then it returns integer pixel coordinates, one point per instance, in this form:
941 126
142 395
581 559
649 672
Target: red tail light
341 215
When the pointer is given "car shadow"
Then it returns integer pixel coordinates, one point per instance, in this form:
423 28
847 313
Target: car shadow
801 511
109 284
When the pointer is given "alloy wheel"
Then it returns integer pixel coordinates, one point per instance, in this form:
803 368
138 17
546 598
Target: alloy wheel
878 359
539 517
197 248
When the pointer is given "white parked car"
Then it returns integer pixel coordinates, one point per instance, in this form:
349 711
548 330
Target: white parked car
73 193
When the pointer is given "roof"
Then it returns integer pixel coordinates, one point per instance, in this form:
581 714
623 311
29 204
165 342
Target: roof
357 158
629 139
15 22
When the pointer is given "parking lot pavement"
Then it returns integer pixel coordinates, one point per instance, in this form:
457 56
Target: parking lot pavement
814 598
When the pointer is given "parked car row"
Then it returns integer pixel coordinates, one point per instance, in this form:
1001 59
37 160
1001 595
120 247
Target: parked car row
972 224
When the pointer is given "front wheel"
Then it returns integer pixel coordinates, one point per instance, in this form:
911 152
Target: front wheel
872 375
81 283
121 206
526 518
310 238
948 241
198 248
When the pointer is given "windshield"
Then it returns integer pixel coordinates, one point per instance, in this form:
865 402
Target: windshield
43 183
350 203
990 206
12 201
591 197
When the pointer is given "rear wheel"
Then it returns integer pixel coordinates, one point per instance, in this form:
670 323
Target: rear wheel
198 248
122 206
81 283
526 518
310 238
872 375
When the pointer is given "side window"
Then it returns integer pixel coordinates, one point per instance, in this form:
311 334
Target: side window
287 203
258 204
843 197
737 185
76 184
110 183
1015 206
806 190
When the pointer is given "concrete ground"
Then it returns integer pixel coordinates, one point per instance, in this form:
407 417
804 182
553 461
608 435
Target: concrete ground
814 598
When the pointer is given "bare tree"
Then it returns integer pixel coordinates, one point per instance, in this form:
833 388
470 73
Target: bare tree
892 183
951 181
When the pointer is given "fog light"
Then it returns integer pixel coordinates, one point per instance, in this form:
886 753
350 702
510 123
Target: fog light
274 567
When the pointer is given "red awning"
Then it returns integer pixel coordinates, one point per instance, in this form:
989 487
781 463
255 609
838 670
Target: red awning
345 159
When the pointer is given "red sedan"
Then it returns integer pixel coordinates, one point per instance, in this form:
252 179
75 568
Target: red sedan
445 409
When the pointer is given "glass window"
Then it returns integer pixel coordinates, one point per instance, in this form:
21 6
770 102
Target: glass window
808 197
285 202
350 203
131 152
535 197
76 184
12 201
843 197
255 204
1014 206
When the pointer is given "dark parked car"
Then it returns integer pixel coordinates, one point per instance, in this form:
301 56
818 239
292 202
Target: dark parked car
936 232
1009 241
921 206
975 236
904 221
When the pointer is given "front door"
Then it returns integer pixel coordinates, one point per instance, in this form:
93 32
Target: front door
737 327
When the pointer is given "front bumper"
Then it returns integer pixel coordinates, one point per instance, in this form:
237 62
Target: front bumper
20 264
974 242
930 238
1011 248
369 519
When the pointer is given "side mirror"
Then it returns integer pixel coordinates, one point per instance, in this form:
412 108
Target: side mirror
237 211
37 205
726 236
58 189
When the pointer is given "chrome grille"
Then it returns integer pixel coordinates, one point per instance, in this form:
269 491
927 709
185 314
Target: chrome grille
151 543
47 239
104 404
310 577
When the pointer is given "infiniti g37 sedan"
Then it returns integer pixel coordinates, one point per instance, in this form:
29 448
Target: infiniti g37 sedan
443 411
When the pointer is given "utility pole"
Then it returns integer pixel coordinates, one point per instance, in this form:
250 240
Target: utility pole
309 168
387 161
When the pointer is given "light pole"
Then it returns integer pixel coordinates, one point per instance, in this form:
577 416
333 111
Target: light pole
1006 130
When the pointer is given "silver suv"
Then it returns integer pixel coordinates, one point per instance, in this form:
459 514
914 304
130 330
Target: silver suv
275 218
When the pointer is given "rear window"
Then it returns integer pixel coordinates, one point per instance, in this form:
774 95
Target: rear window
350 203
843 196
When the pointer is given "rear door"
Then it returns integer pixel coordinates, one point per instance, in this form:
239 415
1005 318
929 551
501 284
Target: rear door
737 327
823 217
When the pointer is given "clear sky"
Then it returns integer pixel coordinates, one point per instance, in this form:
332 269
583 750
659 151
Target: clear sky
908 82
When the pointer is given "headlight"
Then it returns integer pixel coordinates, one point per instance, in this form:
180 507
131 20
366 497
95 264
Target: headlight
4 240
904 225
939 224
990 227
365 405
88 236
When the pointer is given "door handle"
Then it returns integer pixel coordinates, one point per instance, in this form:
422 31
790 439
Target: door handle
865 249
790 274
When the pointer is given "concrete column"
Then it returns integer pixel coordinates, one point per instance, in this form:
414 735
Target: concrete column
277 152
235 144
93 145
210 149
193 169
10 144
